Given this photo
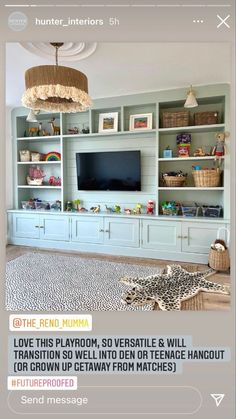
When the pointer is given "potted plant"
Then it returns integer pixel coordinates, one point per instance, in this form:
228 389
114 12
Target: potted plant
77 203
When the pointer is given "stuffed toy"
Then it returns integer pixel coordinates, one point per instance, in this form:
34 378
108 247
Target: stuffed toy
219 150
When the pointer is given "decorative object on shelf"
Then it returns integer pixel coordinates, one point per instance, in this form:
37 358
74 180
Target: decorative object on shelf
73 131
55 129
35 176
140 122
208 178
117 209
56 206
212 211
167 153
183 142
35 156
108 122
175 119
77 203
197 167
28 205
150 207
69 206
109 209
24 155
53 156
206 118
56 88
170 208
34 131
174 179
219 149
82 209
191 101
137 209
96 209
169 289
54 181
32 115
219 258
85 130
199 152
128 211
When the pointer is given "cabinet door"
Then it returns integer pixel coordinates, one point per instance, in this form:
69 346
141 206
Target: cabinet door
121 232
161 235
87 229
26 226
54 227
197 237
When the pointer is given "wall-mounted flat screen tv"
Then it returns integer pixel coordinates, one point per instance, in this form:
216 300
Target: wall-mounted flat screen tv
109 171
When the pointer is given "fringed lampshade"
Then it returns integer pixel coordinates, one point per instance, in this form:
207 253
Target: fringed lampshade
56 88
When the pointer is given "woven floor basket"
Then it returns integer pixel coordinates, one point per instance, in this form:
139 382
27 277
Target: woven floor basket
206 178
174 181
219 261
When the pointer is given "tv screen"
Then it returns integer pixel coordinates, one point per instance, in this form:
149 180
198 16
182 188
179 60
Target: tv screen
109 171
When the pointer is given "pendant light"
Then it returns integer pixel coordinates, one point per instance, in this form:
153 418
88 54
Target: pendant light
191 101
56 88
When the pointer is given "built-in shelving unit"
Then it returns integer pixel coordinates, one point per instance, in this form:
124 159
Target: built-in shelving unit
150 142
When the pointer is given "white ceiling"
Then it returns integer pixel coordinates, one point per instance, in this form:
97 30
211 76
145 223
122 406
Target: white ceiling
123 68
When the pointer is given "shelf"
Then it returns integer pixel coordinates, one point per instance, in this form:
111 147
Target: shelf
38 187
113 134
190 188
39 162
189 158
193 128
44 138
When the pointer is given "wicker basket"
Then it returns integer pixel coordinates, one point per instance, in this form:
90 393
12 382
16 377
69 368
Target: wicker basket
24 155
34 182
175 119
206 118
206 178
220 261
174 181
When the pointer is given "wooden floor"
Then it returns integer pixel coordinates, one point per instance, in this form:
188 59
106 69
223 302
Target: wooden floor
205 301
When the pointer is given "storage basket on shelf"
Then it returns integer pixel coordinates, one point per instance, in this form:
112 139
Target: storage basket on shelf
174 181
206 118
175 119
219 260
206 178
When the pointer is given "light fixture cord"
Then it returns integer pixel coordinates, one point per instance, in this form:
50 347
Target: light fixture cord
57 48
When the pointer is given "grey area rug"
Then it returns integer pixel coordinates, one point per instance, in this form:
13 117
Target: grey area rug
39 281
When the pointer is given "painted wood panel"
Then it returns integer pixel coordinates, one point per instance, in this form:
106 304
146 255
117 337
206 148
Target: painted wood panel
87 230
26 226
161 235
54 228
121 232
197 238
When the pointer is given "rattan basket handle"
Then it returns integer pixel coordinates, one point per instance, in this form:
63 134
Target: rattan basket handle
227 235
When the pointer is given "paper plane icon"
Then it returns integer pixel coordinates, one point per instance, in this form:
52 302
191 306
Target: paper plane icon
218 398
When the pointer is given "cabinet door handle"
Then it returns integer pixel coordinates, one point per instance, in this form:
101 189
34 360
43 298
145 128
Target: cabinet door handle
101 230
179 237
185 237
107 231
36 226
41 226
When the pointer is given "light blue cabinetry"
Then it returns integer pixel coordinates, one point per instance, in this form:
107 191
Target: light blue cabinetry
161 235
87 229
25 226
43 227
121 232
197 238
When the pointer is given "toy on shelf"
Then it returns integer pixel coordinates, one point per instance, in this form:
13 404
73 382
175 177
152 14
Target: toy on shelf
96 209
82 209
35 176
137 209
183 142
167 153
56 206
199 152
220 149
85 130
127 211
73 130
53 156
55 129
77 203
69 206
117 209
150 207
24 155
54 181
109 209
